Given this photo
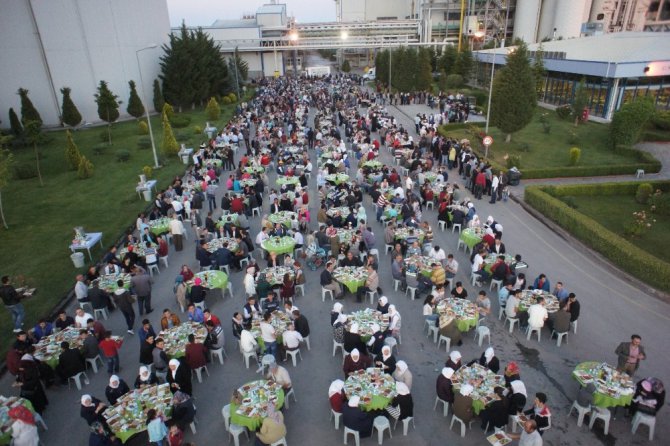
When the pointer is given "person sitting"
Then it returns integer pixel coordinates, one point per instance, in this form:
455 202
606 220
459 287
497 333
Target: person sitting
454 361
402 406
270 305
386 361
351 261
483 304
70 362
402 374
196 353
463 403
183 410
540 412
512 373
489 360
291 340
560 320
383 305
495 415
116 389
273 428
542 283
145 378
169 320
517 397
352 339
23 428
288 287
649 397
179 377
444 385
42 329
355 361
356 419
336 395
195 314
198 292
92 409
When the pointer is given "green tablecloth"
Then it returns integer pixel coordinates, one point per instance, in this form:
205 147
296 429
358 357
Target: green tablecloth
6 438
252 423
467 324
337 178
601 399
224 219
470 238
377 403
160 226
352 284
214 161
283 245
372 164
256 169
283 217
125 435
214 279
287 180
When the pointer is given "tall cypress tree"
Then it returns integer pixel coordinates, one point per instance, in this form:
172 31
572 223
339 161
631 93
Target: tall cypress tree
72 154
424 75
108 106
169 145
28 110
514 98
580 101
158 96
71 115
15 123
135 106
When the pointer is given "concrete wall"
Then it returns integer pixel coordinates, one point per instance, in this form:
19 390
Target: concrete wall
363 10
84 41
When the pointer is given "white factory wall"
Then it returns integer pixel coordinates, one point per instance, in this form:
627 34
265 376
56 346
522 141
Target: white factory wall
85 41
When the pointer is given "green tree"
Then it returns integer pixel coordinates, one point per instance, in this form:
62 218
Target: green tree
213 110
629 122
539 72
424 71
108 107
463 64
158 96
71 115
135 106
72 154
242 67
448 59
169 146
514 99
382 66
167 111
444 81
6 163
85 169
346 66
33 132
15 123
580 101
28 110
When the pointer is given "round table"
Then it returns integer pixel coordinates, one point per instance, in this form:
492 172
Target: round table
337 178
280 321
287 180
176 338
254 169
248 182
375 388
48 349
483 380
343 210
275 274
403 233
463 310
159 226
350 276
279 245
529 297
232 218
345 235
108 282
211 279
490 259
471 236
7 403
138 248
254 397
420 263
613 388
365 319
127 417
374 165
283 217
215 244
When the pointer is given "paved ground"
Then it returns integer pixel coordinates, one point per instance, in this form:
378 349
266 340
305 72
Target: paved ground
612 309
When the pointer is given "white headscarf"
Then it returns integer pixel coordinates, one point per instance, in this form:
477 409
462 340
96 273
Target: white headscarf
335 387
447 372
455 356
114 379
401 367
518 387
86 400
355 353
489 219
489 231
354 328
489 354
386 352
337 307
354 401
466 389
144 370
401 388
383 300
391 309
176 363
342 318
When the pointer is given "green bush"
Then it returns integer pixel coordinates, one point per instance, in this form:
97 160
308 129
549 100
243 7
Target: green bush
181 136
143 142
454 81
225 100
655 135
148 171
85 169
197 130
445 129
232 97
661 120
122 156
25 171
100 148
575 154
564 112
142 128
179 122
660 204
620 251
629 122
643 193
513 161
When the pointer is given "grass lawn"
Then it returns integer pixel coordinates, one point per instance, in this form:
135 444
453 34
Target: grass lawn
538 149
614 211
42 219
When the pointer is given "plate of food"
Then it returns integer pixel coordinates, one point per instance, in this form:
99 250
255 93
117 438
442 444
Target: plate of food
499 439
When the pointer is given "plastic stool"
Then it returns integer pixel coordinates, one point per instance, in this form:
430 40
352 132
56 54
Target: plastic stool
641 418
381 424
347 432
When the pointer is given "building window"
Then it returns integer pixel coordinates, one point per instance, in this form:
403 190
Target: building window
600 17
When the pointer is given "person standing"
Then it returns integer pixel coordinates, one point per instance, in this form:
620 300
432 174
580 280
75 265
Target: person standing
141 284
124 302
177 230
12 301
110 350
630 354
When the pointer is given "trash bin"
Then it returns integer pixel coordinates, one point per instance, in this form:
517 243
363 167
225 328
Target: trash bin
184 159
514 176
147 194
78 259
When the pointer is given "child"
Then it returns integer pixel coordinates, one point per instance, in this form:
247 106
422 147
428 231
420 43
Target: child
156 428
176 436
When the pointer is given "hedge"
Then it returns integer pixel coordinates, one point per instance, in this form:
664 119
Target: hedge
445 129
617 249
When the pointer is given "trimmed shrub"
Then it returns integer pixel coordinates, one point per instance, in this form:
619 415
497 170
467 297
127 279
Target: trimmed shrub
179 122
661 120
643 193
564 112
660 204
25 171
122 156
197 129
225 100
142 128
85 169
513 161
213 110
148 171
620 251
143 142
232 97
575 154
629 122
100 148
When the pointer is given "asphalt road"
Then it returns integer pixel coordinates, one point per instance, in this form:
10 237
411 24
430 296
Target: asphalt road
612 309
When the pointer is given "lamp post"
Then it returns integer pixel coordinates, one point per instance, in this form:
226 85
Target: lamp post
144 99
488 107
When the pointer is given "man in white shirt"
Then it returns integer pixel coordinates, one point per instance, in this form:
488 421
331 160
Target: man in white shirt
249 282
269 335
280 375
478 265
437 253
81 318
81 289
248 343
537 314
262 236
451 267
299 239
291 339
512 304
177 231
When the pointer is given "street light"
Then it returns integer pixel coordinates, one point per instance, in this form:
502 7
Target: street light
144 99
488 108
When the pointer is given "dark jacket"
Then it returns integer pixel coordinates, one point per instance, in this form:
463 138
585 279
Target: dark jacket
406 405
352 341
444 389
183 414
182 378
356 419
114 394
496 414
463 407
70 362
302 326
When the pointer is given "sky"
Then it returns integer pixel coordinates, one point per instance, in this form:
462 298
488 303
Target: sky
205 12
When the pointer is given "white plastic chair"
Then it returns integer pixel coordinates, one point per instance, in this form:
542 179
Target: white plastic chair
348 432
454 226
445 409
293 354
77 380
198 372
481 332
641 418
325 291
381 423
512 321
560 337
336 416
530 331
405 425
103 313
218 352
446 340
93 362
337 345
602 414
498 284
581 412
287 397
463 427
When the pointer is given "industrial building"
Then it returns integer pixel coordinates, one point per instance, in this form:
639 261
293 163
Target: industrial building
46 45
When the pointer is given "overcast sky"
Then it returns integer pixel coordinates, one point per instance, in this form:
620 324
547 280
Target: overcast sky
205 12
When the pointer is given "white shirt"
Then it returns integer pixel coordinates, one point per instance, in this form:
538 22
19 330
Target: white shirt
536 315
292 339
261 237
81 290
299 239
176 227
394 324
268 332
437 255
280 376
452 266
249 285
177 206
409 184
80 321
478 262
247 341
510 306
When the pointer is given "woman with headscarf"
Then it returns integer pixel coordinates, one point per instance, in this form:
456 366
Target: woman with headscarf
511 373
339 328
336 395
495 415
100 437
394 321
517 397
357 419
116 389
272 429
180 291
490 360
475 222
29 380
402 405
449 329
402 374
649 396
24 429
386 361
454 361
145 378
376 341
444 385
183 410
352 339
354 362
179 377
383 305
463 403
336 311
92 409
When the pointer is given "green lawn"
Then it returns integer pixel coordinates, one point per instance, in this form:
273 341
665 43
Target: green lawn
614 211
41 219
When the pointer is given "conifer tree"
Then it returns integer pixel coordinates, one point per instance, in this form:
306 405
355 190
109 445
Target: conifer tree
158 96
28 110
71 115
135 106
15 123
72 155
108 106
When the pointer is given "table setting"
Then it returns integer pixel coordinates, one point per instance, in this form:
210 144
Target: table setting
48 349
472 236
421 264
404 232
613 388
275 275
283 217
159 226
464 311
279 245
280 321
7 403
231 218
254 169
345 235
128 416
351 276
248 182
176 338
281 180
337 178
365 320
217 243
529 297
210 279
108 282
483 380
138 248
250 403
375 388
373 165
343 210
